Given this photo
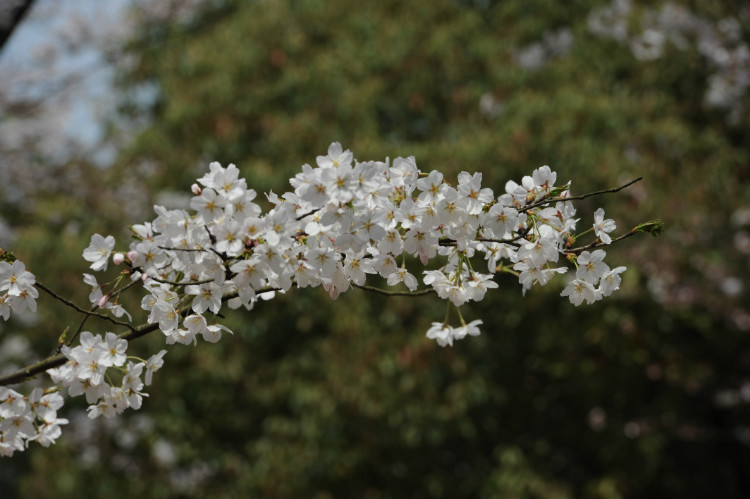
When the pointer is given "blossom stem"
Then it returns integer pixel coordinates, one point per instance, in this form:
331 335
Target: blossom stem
163 281
76 333
59 359
583 233
447 312
421 292
597 243
460 317
124 288
79 309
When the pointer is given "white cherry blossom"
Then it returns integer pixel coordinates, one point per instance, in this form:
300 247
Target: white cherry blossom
99 251
602 226
591 266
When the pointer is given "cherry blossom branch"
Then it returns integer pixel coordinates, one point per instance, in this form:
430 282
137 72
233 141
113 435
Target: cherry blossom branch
32 370
196 250
59 359
654 227
125 288
79 309
511 241
577 198
173 283
62 342
421 292
597 243
366 215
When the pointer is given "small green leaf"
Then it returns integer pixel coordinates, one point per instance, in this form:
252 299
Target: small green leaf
63 338
653 227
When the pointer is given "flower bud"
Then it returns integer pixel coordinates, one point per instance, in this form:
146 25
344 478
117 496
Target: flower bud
118 258
196 189
103 300
132 255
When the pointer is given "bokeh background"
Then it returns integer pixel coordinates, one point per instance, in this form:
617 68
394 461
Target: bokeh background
643 395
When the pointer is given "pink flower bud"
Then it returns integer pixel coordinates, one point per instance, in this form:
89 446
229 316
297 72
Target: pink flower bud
132 255
118 258
103 300
196 189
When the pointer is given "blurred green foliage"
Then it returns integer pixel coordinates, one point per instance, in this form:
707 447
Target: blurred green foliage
313 398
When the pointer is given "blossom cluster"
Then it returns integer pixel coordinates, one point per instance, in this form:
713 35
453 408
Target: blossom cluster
17 291
592 271
94 363
89 371
26 419
342 221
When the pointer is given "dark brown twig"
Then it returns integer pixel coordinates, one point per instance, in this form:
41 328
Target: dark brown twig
79 309
421 292
577 198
